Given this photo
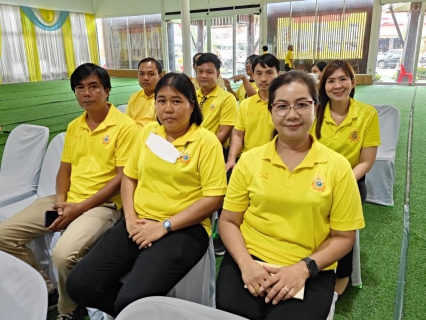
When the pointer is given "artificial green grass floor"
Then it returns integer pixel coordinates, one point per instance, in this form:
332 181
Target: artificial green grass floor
380 240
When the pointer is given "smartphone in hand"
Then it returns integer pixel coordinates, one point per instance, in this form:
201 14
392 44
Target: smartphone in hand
49 217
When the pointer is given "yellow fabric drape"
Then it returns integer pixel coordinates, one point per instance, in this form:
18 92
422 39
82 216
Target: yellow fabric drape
68 46
31 50
47 15
92 38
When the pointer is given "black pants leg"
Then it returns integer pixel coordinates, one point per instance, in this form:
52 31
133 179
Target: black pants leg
231 296
344 266
95 281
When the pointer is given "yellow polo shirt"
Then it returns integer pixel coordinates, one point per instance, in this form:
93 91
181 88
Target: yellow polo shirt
360 129
219 108
289 58
165 189
288 215
141 108
241 93
255 120
94 155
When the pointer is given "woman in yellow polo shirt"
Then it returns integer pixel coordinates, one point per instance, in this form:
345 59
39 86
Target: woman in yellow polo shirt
292 203
173 181
350 128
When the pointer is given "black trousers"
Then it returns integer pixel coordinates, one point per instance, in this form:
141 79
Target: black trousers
344 266
231 296
95 280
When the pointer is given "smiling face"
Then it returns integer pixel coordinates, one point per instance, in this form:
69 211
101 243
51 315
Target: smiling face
148 77
91 95
338 86
293 127
173 110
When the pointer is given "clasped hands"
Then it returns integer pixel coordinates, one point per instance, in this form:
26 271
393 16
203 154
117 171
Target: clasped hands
274 284
68 212
144 232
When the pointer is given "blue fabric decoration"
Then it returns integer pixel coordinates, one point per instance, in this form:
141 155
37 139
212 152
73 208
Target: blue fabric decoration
63 15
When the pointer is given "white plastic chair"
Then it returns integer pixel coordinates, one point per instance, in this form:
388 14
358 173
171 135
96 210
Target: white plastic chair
47 182
165 308
23 292
198 285
122 108
21 163
381 178
46 187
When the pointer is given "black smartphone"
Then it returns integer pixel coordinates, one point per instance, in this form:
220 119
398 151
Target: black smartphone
49 217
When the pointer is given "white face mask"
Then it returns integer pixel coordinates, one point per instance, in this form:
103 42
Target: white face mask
162 148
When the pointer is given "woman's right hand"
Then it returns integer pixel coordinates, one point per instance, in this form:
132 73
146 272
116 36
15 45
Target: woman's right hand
254 275
131 223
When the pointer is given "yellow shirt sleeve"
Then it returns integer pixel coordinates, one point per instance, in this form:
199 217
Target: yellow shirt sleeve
126 140
66 152
372 131
130 103
131 167
228 113
241 116
237 195
346 211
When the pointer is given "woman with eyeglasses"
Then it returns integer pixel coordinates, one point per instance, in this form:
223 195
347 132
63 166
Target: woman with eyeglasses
173 182
248 88
288 215
350 128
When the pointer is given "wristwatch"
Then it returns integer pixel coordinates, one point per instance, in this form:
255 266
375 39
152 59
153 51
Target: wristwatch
168 225
312 266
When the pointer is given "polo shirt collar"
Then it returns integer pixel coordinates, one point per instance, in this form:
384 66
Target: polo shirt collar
353 111
315 155
259 99
193 134
110 119
142 93
213 93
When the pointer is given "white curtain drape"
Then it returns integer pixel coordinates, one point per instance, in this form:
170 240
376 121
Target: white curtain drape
79 38
13 62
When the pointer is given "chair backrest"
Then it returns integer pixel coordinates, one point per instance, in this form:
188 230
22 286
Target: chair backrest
24 152
389 119
122 108
23 292
170 308
50 166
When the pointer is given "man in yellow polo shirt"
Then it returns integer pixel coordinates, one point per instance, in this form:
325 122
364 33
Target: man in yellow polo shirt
220 80
141 104
289 58
254 125
218 106
87 200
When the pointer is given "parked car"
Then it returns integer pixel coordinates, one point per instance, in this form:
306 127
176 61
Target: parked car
389 59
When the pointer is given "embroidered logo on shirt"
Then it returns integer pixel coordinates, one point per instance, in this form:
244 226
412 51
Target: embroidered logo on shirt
318 183
212 106
185 158
263 175
106 139
354 136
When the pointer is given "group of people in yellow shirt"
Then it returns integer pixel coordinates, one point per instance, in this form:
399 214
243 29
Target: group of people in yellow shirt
290 211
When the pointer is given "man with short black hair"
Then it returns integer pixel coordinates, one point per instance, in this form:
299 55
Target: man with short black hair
88 202
141 104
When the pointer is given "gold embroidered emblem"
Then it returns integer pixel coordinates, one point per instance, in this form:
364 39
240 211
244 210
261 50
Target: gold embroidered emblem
185 158
106 139
212 106
354 136
318 184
